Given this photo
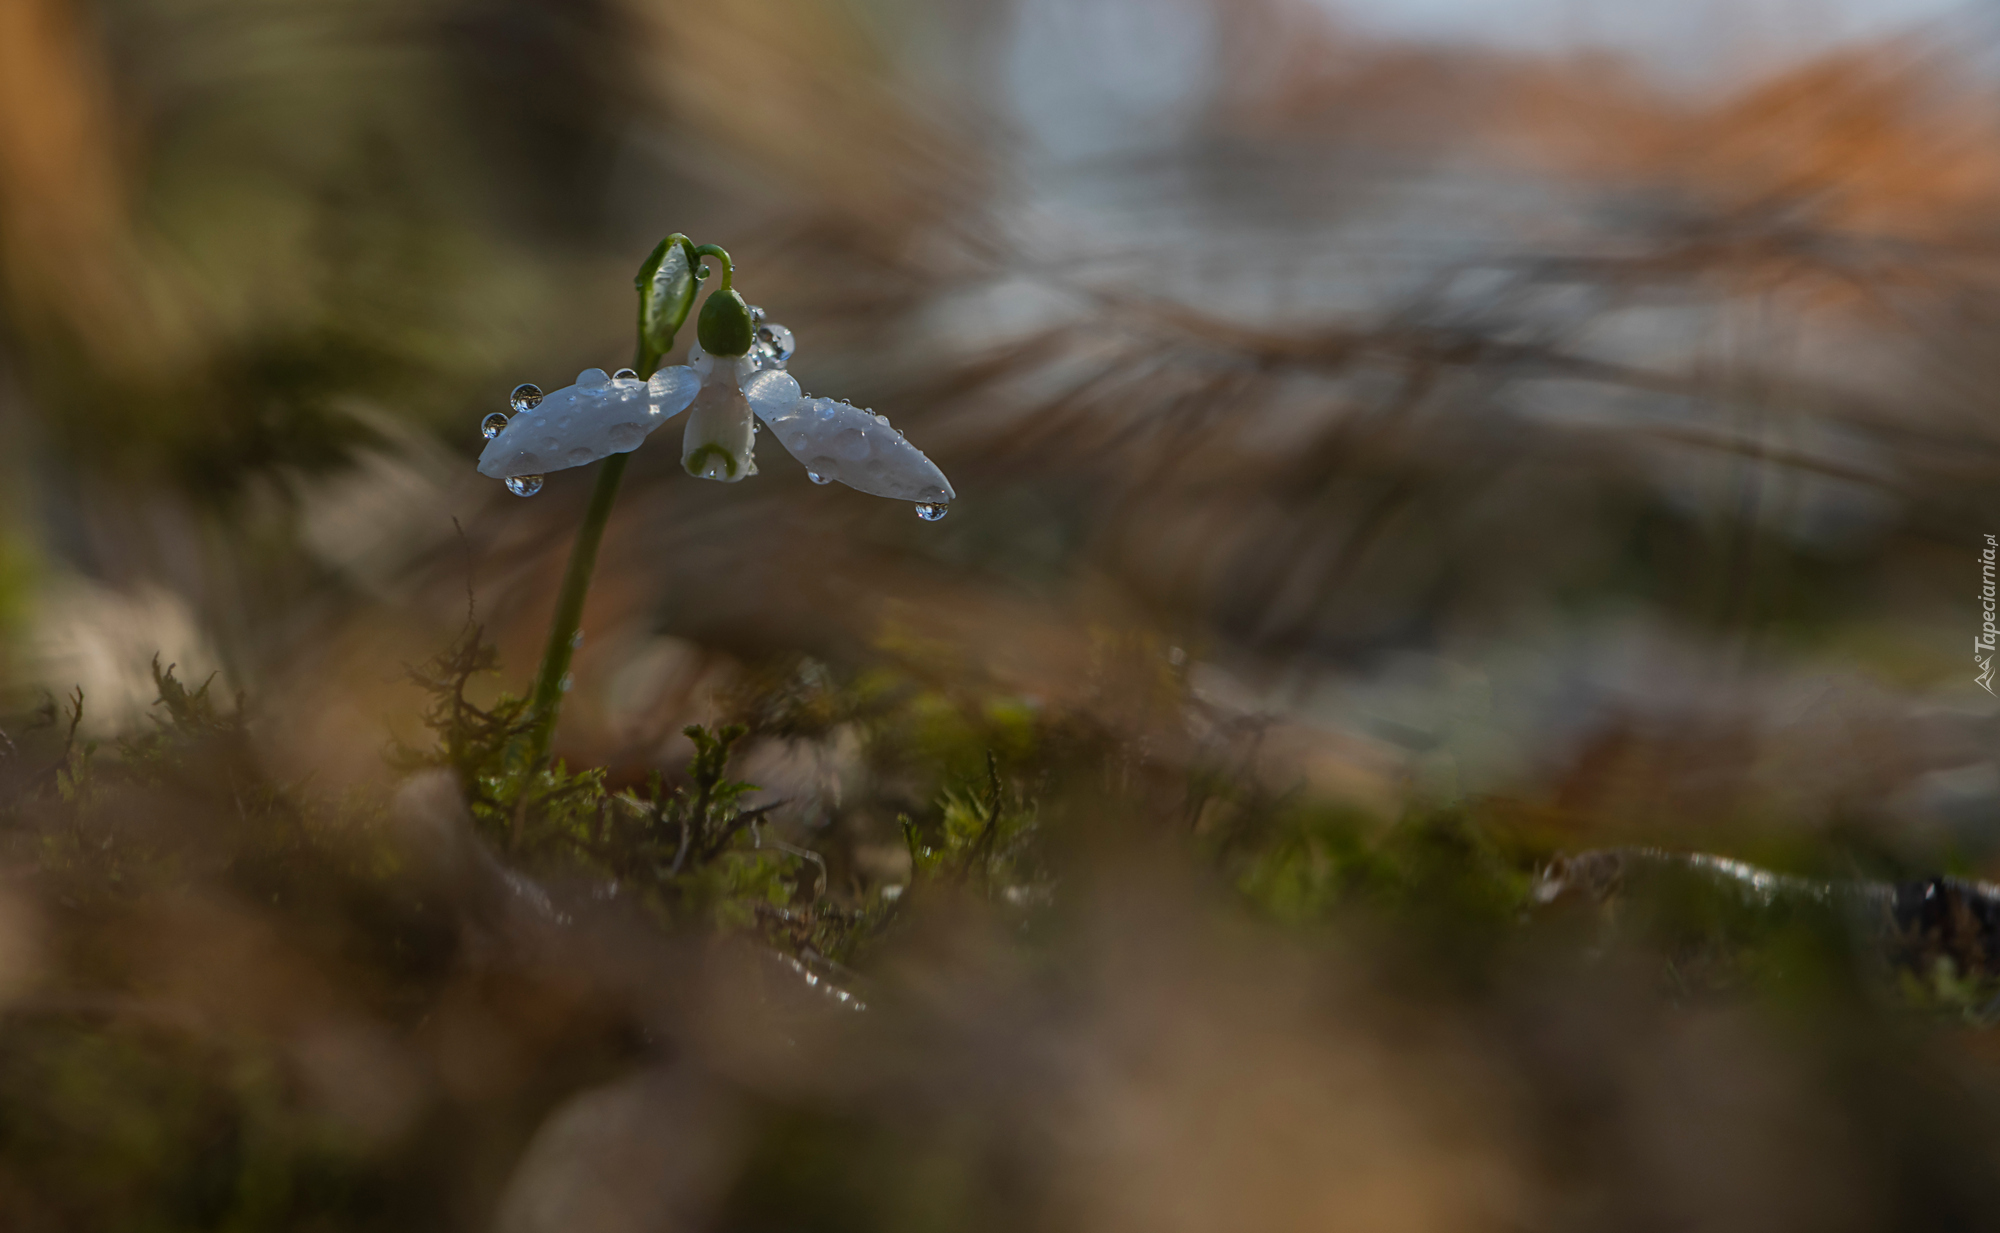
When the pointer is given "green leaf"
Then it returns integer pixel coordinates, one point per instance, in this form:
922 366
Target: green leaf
666 285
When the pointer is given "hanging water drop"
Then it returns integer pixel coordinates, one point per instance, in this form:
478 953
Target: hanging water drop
525 398
756 315
702 273
524 485
576 639
568 683
490 426
931 511
817 478
775 342
625 374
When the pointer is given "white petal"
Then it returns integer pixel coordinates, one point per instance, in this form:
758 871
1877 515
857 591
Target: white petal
672 389
838 440
719 435
581 423
771 393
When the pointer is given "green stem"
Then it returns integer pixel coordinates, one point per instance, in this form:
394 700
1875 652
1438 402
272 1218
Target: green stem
545 705
720 254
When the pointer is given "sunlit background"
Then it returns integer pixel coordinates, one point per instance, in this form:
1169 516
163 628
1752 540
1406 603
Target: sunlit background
1579 412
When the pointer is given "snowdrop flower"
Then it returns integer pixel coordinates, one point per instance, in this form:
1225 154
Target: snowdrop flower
734 376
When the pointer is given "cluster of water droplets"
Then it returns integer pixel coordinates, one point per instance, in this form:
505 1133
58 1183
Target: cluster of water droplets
771 345
525 398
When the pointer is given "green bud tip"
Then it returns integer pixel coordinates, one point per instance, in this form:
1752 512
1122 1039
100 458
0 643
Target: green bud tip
725 329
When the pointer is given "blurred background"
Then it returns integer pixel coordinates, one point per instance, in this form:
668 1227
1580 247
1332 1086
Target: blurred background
1575 413
1570 400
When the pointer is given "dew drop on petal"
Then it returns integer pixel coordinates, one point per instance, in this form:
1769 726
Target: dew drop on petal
625 374
524 485
592 379
931 511
775 341
525 398
490 426
817 478
580 455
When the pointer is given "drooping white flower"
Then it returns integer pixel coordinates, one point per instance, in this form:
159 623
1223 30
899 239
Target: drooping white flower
600 416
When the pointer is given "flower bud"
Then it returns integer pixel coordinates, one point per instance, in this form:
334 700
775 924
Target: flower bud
726 330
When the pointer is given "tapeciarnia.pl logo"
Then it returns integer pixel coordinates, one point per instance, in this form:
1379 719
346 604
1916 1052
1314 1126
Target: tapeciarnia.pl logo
1982 646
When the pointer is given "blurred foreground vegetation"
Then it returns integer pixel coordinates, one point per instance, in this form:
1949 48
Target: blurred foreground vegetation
1032 973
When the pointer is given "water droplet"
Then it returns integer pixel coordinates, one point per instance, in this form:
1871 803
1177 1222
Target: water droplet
756 315
756 429
576 639
701 273
568 682
775 341
524 485
490 426
525 398
817 478
931 511
625 374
